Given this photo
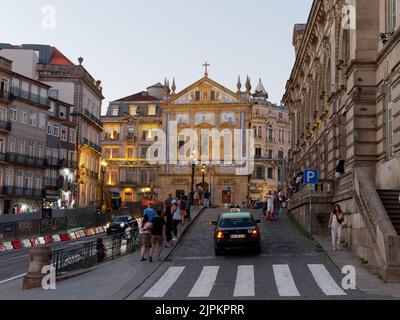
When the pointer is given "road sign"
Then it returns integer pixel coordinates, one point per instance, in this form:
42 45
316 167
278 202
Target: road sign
311 176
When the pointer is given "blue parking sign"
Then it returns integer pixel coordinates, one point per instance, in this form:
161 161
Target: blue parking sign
311 176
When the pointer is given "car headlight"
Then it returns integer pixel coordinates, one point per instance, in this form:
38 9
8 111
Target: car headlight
108 225
122 225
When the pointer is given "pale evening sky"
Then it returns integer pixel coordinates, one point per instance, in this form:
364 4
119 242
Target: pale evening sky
132 44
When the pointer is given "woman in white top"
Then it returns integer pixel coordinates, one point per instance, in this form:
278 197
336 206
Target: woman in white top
144 236
335 225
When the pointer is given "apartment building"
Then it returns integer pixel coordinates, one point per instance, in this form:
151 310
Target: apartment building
128 126
73 84
24 108
272 144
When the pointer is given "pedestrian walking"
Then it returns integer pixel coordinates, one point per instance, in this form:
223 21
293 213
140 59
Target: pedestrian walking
144 236
335 225
157 236
277 206
101 252
207 199
183 207
176 218
270 206
150 212
169 224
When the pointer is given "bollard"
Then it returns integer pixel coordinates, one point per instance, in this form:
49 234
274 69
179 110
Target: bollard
40 257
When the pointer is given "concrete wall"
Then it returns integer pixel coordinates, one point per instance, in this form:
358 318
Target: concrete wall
388 175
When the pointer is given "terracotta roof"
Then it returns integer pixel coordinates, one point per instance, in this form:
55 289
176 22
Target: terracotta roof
59 59
141 96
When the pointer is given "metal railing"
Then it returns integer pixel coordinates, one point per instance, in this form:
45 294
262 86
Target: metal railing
87 255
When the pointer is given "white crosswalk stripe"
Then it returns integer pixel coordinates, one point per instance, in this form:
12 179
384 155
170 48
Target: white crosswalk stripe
205 283
165 283
325 281
245 281
244 286
284 281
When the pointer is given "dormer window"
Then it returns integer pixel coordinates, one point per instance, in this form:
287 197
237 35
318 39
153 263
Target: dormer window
213 95
114 112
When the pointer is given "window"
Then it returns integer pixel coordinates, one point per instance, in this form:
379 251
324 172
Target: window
50 129
28 180
280 154
144 153
33 119
281 136
42 121
129 153
392 15
260 173
270 173
11 145
53 93
152 110
31 150
389 123
56 130
114 112
132 110
259 132
24 117
64 134
270 133
13 114
143 177
18 178
21 147
107 153
63 112
280 116
270 155
258 153
197 95
212 95
71 135
52 106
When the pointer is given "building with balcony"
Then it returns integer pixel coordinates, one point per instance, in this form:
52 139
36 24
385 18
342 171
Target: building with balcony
72 84
343 98
61 154
128 126
272 144
23 122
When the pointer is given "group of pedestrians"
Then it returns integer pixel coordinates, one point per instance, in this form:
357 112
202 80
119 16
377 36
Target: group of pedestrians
160 228
274 205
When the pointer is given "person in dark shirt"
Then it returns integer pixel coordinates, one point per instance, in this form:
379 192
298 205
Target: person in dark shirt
169 225
157 237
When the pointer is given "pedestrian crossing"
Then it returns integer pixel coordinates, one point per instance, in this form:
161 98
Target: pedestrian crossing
245 281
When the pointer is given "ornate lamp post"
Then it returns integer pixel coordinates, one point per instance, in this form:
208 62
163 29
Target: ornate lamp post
193 161
104 165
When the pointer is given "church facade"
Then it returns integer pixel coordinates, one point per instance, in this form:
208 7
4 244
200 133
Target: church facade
192 114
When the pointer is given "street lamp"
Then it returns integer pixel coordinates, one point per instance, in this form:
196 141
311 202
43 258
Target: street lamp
203 172
104 165
193 160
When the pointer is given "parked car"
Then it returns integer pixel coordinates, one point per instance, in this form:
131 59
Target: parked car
237 230
120 224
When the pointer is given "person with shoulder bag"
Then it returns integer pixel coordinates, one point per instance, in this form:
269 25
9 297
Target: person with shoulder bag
335 225
182 209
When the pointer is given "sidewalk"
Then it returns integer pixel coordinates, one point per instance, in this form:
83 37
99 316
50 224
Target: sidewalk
111 280
367 279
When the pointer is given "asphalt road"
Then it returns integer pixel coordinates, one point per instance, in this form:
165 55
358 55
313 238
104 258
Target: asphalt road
15 263
290 267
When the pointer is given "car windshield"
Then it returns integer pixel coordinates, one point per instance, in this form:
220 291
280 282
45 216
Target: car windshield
121 219
236 223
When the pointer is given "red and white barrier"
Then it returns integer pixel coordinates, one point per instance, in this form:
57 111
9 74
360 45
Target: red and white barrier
26 243
33 242
8 245
17 244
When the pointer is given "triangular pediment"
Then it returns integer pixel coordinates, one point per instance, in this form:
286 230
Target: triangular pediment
204 91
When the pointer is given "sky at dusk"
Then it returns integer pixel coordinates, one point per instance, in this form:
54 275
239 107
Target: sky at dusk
131 44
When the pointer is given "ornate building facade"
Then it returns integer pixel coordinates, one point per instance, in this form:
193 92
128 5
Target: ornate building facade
197 110
343 99
272 144
128 128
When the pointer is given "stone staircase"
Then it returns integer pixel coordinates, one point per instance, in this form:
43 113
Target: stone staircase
390 200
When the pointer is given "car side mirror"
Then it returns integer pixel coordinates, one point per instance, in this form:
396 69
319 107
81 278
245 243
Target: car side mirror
258 221
214 223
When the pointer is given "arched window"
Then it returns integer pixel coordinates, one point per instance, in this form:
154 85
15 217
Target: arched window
270 131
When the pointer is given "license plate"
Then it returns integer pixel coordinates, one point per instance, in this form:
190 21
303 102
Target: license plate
238 236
